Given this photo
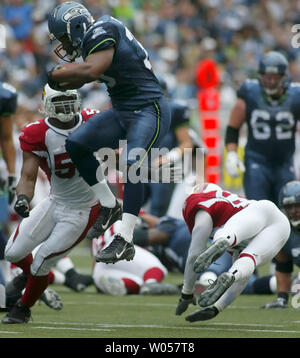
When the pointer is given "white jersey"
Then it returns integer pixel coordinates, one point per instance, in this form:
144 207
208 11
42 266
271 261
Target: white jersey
48 143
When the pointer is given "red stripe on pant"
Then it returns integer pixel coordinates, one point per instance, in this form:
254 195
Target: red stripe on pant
248 255
93 216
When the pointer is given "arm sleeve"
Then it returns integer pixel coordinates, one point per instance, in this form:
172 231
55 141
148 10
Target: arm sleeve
32 138
242 91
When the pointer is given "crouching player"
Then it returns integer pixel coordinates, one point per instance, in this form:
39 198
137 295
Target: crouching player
253 231
61 220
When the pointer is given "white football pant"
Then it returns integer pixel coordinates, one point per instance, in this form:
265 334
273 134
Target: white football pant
266 228
55 227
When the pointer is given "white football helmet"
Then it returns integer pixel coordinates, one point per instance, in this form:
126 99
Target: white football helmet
61 105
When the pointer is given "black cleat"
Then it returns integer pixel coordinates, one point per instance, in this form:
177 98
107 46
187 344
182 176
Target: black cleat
14 288
202 315
76 281
119 249
18 314
106 218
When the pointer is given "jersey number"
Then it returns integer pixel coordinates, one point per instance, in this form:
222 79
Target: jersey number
261 128
64 168
110 81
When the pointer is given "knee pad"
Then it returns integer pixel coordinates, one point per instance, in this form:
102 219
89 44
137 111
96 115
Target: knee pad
285 267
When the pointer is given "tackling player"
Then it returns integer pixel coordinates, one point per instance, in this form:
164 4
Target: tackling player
140 113
253 231
270 106
61 220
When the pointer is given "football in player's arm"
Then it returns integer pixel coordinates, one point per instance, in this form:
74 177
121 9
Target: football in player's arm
140 113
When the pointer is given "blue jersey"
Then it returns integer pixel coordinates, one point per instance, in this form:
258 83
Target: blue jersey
271 124
8 99
292 247
130 80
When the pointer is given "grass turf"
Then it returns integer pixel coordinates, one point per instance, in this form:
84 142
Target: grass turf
89 314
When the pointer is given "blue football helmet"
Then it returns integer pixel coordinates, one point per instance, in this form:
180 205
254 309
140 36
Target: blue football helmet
68 23
273 64
289 201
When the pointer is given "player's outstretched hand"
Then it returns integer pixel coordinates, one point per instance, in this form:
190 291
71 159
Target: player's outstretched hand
167 173
184 302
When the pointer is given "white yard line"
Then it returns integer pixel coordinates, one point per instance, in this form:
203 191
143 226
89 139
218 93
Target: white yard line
210 327
73 328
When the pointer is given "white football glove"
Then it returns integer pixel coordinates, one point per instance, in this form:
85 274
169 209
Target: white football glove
233 164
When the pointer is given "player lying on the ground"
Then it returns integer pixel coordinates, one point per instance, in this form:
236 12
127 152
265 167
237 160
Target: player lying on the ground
254 231
143 275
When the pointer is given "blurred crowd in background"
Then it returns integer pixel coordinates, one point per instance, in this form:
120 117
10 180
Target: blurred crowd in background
177 34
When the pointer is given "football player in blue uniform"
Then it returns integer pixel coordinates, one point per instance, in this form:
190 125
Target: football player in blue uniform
140 113
270 106
289 201
8 105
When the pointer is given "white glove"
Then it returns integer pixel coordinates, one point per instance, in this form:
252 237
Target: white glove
233 164
167 173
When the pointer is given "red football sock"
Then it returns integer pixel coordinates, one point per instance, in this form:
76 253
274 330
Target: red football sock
25 263
131 286
35 286
50 277
154 273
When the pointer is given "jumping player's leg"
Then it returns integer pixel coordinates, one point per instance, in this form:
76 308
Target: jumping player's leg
146 129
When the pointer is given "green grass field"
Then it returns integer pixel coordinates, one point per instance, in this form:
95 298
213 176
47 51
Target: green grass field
89 314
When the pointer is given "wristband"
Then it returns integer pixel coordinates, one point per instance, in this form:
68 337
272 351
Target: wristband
232 135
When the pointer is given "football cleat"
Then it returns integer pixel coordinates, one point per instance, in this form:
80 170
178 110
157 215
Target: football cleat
118 249
215 291
18 314
203 314
52 299
76 281
209 255
106 218
280 302
158 288
112 286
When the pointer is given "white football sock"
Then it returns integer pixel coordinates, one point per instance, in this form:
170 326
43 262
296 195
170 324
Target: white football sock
64 264
104 194
127 226
242 268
